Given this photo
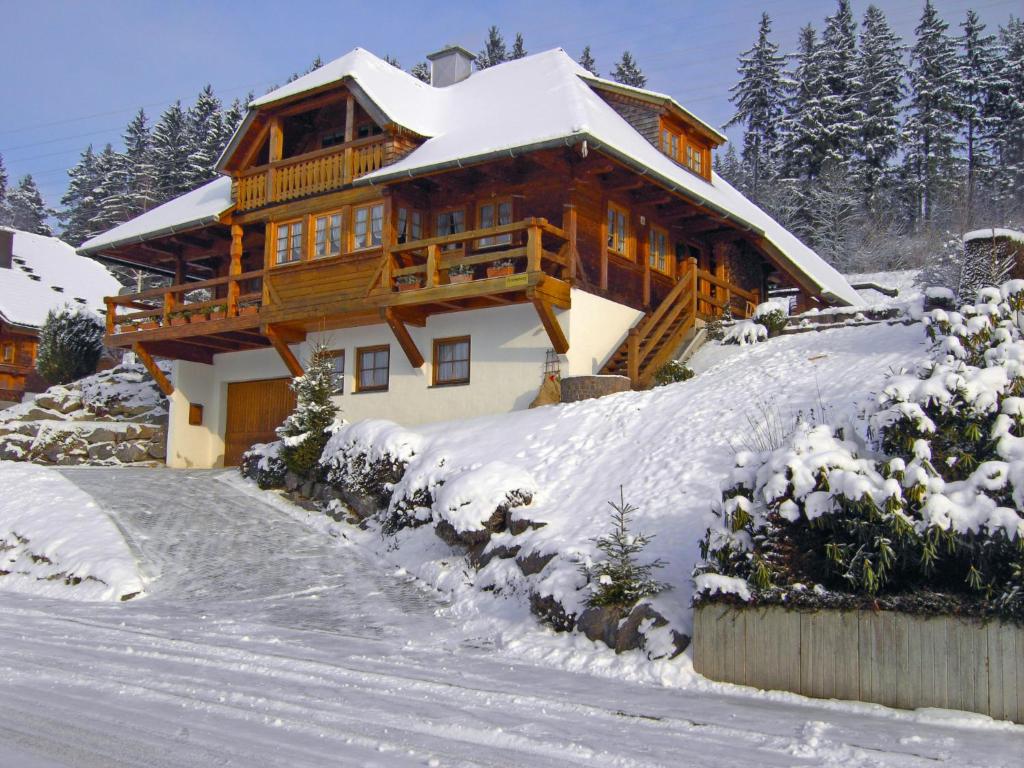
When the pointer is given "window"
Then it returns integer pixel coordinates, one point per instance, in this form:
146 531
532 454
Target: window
8 352
327 235
333 139
494 214
289 241
451 223
618 230
410 225
367 226
657 250
694 156
670 143
372 366
366 130
338 373
451 361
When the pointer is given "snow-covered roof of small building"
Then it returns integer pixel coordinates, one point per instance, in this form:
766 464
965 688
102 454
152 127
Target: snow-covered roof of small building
192 210
46 274
995 233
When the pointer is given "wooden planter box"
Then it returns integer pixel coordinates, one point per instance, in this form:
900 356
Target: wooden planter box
499 271
402 287
179 321
884 657
251 309
218 314
149 325
462 278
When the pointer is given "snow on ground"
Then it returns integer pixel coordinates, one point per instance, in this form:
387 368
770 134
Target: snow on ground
263 642
55 540
906 281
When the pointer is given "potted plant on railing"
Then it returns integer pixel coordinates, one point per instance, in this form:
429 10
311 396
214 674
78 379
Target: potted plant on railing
218 312
407 282
180 318
500 268
460 273
248 309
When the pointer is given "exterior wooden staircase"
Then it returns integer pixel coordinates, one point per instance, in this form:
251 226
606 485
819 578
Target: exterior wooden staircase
654 339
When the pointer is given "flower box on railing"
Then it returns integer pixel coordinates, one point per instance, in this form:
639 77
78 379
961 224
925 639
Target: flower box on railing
181 319
501 268
248 309
407 283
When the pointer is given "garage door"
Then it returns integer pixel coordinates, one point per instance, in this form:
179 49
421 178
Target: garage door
255 410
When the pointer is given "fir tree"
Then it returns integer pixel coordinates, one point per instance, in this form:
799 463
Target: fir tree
106 162
838 61
233 117
620 581
304 432
129 187
79 204
880 97
518 49
171 152
70 344
931 127
628 72
759 98
421 72
586 61
1007 120
5 211
804 123
392 61
314 65
205 130
28 211
493 52
977 82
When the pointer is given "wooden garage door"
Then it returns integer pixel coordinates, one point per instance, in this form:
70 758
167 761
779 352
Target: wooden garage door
255 410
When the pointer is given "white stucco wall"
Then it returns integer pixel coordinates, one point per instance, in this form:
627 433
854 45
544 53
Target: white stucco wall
508 351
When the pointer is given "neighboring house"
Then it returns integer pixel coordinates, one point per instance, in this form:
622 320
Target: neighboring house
37 274
449 242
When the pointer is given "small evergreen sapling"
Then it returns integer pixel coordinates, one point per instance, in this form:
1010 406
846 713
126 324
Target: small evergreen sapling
70 344
673 372
620 580
304 433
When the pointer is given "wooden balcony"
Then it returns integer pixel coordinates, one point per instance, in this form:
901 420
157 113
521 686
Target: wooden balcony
309 174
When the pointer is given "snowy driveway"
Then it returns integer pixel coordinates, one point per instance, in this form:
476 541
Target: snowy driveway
264 643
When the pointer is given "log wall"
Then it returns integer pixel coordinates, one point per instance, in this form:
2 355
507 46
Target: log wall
883 657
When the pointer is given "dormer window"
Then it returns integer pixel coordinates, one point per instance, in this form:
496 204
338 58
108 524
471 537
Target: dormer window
670 143
694 157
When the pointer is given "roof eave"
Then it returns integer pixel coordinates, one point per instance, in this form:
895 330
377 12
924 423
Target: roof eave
173 229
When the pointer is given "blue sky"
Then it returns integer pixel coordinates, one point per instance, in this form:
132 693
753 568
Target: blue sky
75 72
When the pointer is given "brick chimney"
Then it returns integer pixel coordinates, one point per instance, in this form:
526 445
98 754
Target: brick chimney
452 64
6 247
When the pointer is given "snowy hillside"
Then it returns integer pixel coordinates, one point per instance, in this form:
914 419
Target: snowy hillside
55 540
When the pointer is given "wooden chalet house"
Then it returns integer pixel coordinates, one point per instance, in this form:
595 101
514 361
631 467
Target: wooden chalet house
446 240
37 274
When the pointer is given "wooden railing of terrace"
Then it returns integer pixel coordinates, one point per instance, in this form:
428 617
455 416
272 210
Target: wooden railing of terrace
309 174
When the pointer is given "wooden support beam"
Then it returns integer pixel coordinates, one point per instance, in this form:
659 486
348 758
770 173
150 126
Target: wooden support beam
551 325
404 339
284 351
234 268
154 370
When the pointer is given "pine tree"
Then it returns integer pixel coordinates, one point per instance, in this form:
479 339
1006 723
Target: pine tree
106 163
232 119
494 51
977 82
518 49
932 125
70 343
803 126
392 61
838 62
79 205
421 72
759 96
587 62
171 152
304 432
28 211
1007 119
620 581
129 186
205 127
314 65
880 98
5 210
628 72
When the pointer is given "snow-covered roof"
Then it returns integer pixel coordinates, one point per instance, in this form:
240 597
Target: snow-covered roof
25 300
992 233
192 210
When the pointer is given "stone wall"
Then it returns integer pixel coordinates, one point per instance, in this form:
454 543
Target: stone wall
576 388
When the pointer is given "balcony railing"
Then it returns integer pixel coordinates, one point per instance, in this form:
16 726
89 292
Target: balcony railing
309 174
715 293
509 252
187 304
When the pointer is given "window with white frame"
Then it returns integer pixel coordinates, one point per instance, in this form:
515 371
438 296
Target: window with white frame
367 226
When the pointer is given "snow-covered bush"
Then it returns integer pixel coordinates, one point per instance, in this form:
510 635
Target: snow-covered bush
773 315
923 509
70 344
745 332
672 372
304 433
263 464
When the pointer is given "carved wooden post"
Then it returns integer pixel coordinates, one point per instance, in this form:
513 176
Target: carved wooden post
350 128
276 149
234 269
168 307
433 276
569 224
111 315
268 261
533 248
692 266
633 357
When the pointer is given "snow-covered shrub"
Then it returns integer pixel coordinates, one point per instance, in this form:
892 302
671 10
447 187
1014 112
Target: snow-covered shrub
304 433
70 344
263 464
672 372
620 580
773 315
745 332
924 510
